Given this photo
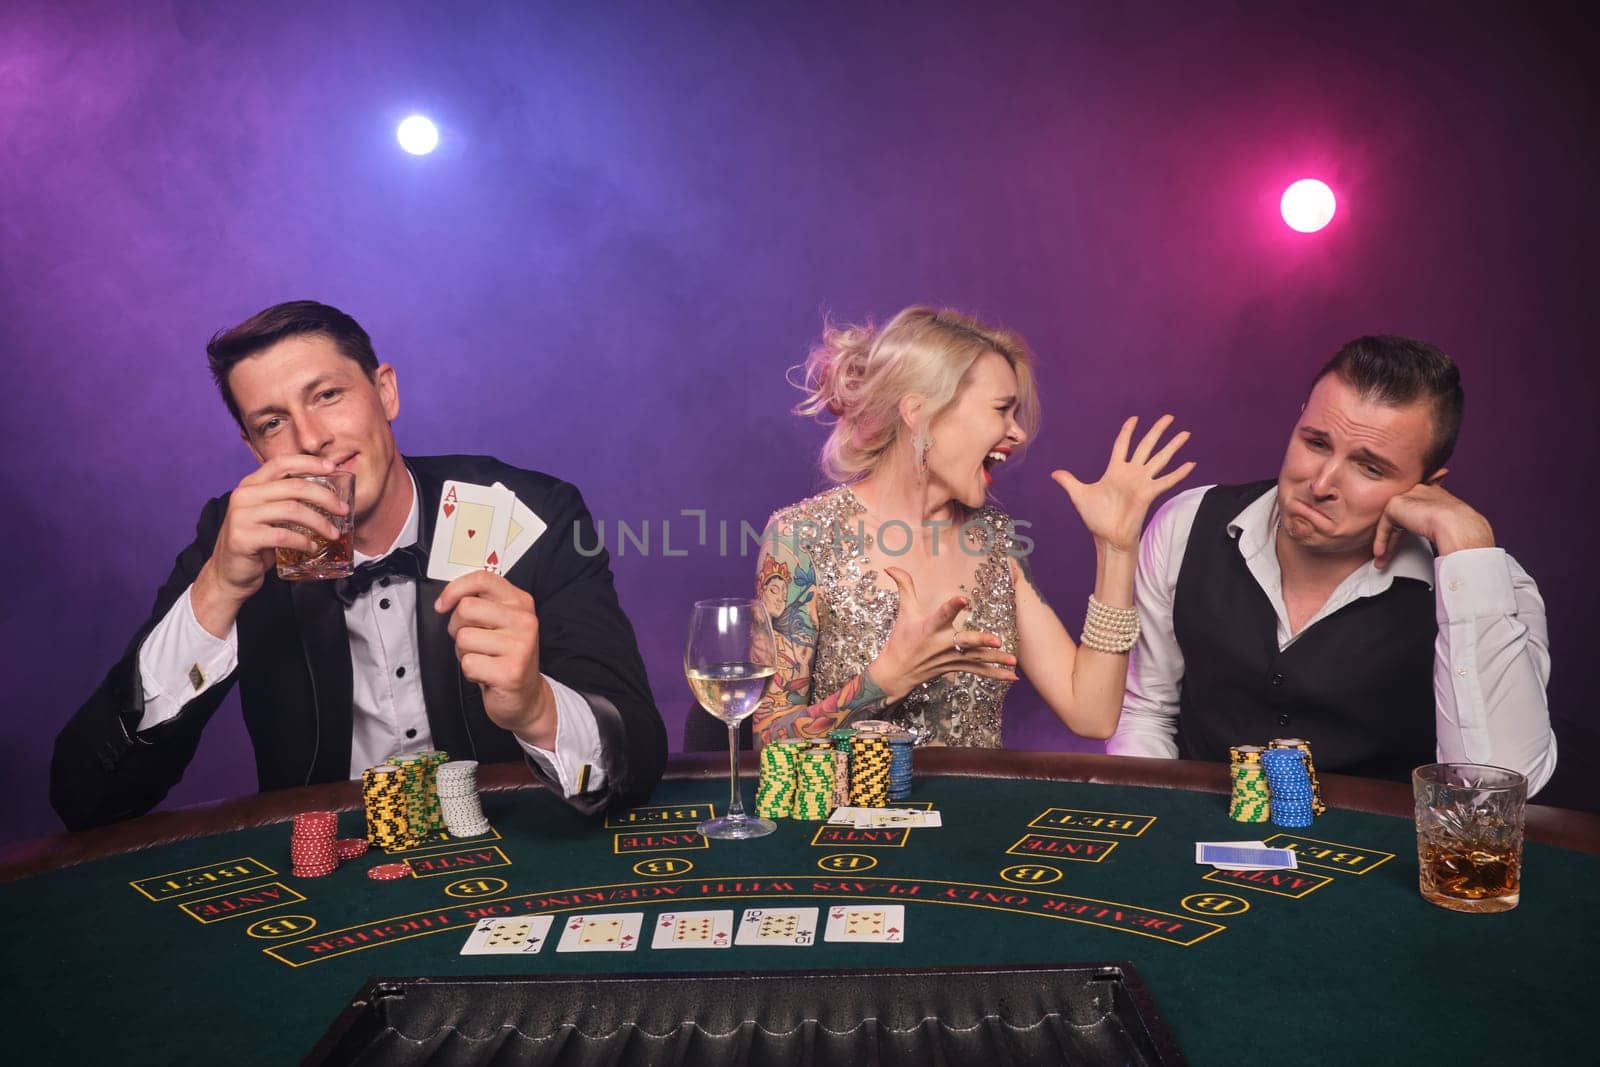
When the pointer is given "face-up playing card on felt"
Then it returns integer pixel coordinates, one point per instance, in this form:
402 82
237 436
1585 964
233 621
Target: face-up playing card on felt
602 933
694 929
875 818
524 530
510 937
469 533
778 926
866 922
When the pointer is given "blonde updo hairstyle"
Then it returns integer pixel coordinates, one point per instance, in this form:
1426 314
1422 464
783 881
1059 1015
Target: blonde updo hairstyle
858 375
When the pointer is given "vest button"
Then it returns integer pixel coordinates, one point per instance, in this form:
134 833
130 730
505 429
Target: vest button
410 734
1283 720
384 603
1277 680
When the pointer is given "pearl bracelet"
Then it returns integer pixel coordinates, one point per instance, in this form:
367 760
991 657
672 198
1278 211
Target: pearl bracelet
1109 629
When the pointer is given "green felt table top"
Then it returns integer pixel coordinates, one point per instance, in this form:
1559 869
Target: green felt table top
234 957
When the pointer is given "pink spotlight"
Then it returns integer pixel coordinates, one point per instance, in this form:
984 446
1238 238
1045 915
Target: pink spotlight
1307 205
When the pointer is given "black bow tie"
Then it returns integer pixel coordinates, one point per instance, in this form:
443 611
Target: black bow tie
410 563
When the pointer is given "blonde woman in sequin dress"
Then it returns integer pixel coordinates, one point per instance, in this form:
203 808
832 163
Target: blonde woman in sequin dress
900 594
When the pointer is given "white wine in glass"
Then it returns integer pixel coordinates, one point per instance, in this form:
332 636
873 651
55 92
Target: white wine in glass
728 659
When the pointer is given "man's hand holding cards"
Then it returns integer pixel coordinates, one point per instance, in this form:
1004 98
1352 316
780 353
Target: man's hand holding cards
478 535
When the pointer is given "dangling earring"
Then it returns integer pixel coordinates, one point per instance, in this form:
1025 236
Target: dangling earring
923 444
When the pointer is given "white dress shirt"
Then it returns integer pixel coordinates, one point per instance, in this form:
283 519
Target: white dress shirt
1491 658
180 659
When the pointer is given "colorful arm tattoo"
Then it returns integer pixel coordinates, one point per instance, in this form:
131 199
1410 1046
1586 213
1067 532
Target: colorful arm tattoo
785 710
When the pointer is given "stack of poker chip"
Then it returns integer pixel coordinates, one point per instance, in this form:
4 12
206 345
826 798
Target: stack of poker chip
313 845
422 796
1290 784
1252 799
431 762
457 783
869 770
840 736
900 765
1317 806
383 790
775 793
813 798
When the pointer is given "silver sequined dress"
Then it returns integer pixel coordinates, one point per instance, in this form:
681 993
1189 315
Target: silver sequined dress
855 616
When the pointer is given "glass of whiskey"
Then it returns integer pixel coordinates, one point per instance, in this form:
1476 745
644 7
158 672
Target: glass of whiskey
1469 835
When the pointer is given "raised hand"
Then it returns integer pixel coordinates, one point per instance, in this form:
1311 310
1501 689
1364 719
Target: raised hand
1114 507
926 643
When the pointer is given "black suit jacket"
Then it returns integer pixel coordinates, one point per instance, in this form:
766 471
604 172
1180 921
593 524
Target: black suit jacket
294 671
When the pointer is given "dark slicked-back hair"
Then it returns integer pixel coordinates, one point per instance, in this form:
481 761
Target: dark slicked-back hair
266 328
1396 371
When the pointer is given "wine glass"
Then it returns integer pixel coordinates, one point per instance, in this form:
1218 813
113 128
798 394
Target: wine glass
728 659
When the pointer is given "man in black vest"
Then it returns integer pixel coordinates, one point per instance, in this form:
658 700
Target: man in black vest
1314 607
539 664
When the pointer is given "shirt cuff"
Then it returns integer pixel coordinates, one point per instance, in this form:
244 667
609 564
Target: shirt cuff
1474 583
181 659
575 761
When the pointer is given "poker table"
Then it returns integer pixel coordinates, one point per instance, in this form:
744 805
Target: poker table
182 937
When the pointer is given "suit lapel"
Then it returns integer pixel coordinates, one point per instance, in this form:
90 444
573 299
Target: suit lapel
320 619
442 684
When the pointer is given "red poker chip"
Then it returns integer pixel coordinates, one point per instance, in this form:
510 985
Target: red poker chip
388 872
314 872
349 848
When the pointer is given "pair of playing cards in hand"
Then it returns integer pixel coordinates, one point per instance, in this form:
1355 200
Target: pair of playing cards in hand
620 932
480 528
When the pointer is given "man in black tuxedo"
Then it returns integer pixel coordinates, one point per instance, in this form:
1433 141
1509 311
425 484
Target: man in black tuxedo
540 663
